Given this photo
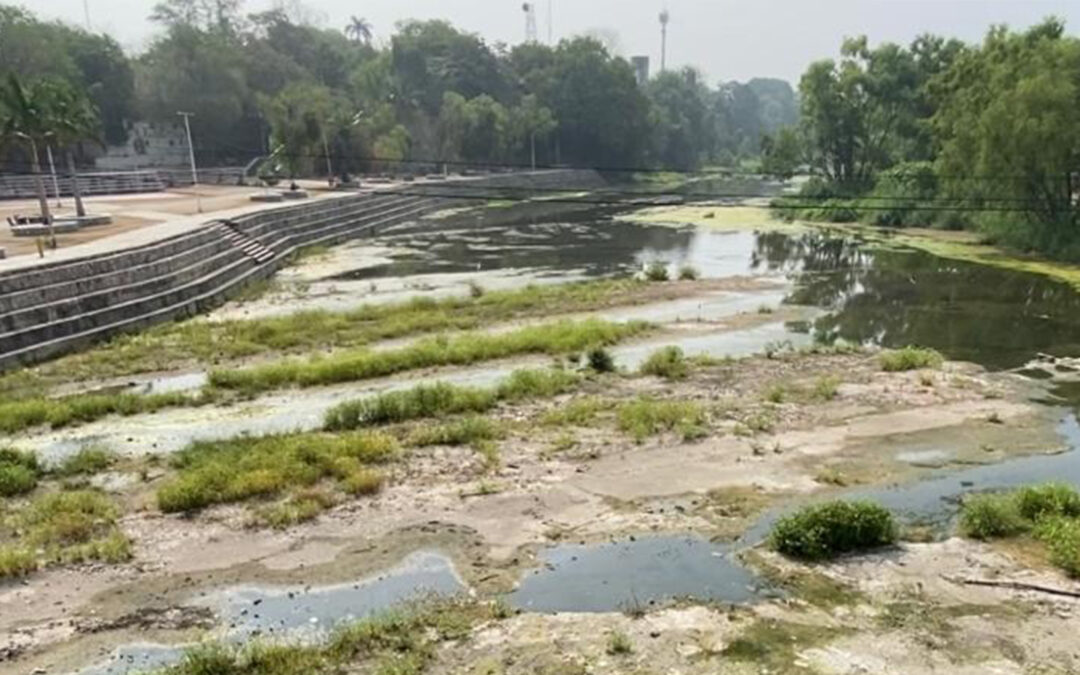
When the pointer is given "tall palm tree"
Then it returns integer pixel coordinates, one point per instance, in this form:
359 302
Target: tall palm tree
73 119
26 118
359 29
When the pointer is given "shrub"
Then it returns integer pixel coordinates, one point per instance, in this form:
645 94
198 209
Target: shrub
656 271
601 360
1051 499
910 358
826 388
667 362
526 384
1062 538
987 516
16 561
578 412
688 273
19 472
619 643
824 531
647 417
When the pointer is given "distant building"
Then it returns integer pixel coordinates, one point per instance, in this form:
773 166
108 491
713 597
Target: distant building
149 144
641 68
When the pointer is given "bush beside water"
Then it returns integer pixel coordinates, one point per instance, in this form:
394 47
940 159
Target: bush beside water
824 531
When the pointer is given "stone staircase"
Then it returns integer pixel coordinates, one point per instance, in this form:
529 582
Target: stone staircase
53 308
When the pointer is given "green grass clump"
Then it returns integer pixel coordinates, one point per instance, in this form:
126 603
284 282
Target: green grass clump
826 388
688 273
556 338
647 417
910 358
667 362
619 643
19 472
578 412
600 360
61 412
441 399
1050 512
363 482
657 271
462 432
233 470
299 508
422 401
61 528
989 516
824 531
86 462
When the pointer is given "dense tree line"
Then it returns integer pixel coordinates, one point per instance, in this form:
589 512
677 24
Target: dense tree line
943 133
273 82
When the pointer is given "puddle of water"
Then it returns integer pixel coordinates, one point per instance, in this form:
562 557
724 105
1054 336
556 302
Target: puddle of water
301 612
627 575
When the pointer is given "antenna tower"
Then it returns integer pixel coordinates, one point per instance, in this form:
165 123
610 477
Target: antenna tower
530 21
665 17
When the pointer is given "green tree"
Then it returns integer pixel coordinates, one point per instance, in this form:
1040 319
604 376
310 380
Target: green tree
297 117
781 155
26 119
684 128
73 118
1010 135
529 121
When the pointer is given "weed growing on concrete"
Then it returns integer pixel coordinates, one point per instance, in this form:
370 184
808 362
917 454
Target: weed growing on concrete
86 462
465 431
62 528
619 643
61 412
647 417
826 387
667 362
298 508
219 472
910 358
554 338
657 271
440 399
688 273
19 472
600 360
578 412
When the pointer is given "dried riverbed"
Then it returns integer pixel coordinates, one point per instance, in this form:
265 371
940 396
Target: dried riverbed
617 548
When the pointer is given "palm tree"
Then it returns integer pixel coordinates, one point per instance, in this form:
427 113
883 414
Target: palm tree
25 117
359 29
73 119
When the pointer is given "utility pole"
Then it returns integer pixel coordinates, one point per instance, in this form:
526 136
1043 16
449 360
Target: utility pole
191 155
86 13
665 17
549 3
326 151
530 21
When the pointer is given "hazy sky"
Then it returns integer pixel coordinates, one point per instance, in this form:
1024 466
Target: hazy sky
727 39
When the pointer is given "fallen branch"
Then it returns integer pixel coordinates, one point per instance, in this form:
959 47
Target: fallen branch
1014 585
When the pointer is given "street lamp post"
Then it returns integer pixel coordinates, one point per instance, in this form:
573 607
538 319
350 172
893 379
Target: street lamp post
191 156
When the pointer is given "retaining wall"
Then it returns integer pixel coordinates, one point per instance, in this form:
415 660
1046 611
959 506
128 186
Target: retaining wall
53 308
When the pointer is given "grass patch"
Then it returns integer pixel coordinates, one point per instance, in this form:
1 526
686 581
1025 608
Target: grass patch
619 643
233 470
560 337
298 508
1049 512
827 530
466 431
169 346
578 412
688 273
657 271
86 462
61 528
647 417
826 388
667 362
441 399
19 472
61 412
774 646
910 358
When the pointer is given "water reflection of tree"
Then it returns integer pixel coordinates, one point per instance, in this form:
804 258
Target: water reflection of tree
894 298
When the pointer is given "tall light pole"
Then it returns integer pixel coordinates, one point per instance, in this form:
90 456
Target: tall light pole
191 156
665 17
86 13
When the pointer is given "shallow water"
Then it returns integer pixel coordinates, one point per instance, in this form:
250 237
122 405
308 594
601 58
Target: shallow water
300 613
634 574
